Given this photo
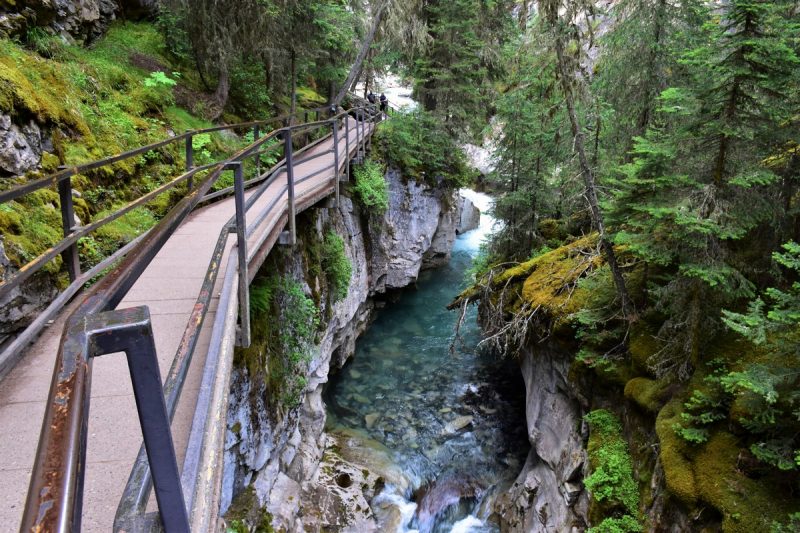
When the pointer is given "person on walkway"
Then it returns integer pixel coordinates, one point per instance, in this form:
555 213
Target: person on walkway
384 103
371 97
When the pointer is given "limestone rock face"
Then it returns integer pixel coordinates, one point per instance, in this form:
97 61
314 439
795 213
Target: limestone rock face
417 232
23 304
287 457
73 20
548 494
20 146
469 216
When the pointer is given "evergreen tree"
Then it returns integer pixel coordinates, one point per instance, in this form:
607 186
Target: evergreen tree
453 75
698 184
529 154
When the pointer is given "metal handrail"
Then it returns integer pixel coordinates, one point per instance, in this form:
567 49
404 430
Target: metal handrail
61 179
72 170
67 247
55 494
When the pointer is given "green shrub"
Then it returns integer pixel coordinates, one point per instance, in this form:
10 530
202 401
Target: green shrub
611 480
418 144
159 79
624 524
249 96
284 324
299 322
371 188
336 265
261 295
793 525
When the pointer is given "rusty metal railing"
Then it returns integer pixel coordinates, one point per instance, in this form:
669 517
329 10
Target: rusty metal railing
54 499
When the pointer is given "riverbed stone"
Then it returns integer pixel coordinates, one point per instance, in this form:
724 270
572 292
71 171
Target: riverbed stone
370 419
457 424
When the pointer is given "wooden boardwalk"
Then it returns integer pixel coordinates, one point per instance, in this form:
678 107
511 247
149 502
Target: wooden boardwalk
170 287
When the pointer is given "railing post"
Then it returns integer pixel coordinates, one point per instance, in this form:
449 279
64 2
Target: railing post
55 496
241 246
360 134
70 255
305 116
256 136
347 142
189 161
336 159
287 156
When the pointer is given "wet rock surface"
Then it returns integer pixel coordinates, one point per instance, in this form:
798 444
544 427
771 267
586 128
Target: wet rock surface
23 304
73 20
418 232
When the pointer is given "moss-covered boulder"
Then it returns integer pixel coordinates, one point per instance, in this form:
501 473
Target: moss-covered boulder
548 282
677 463
649 394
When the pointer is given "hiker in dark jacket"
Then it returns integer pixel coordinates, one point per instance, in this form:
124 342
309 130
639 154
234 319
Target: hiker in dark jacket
384 103
371 97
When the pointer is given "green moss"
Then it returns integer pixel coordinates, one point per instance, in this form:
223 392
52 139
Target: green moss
641 346
126 228
336 265
181 120
309 98
647 393
245 514
29 230
611 483
551 279
33 86
96 103
551 229
747 505
674 454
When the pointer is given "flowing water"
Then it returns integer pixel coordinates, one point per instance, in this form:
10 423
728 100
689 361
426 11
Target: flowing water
452 423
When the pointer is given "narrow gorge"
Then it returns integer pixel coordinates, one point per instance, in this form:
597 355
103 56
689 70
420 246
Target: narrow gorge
286 462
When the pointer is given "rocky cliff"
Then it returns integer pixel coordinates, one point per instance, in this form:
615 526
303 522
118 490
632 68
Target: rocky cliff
72 20
548 494
280 456
469 215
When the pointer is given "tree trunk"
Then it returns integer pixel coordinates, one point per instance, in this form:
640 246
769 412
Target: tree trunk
267 63
589 179
651 89
355 70
293 67
221 93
